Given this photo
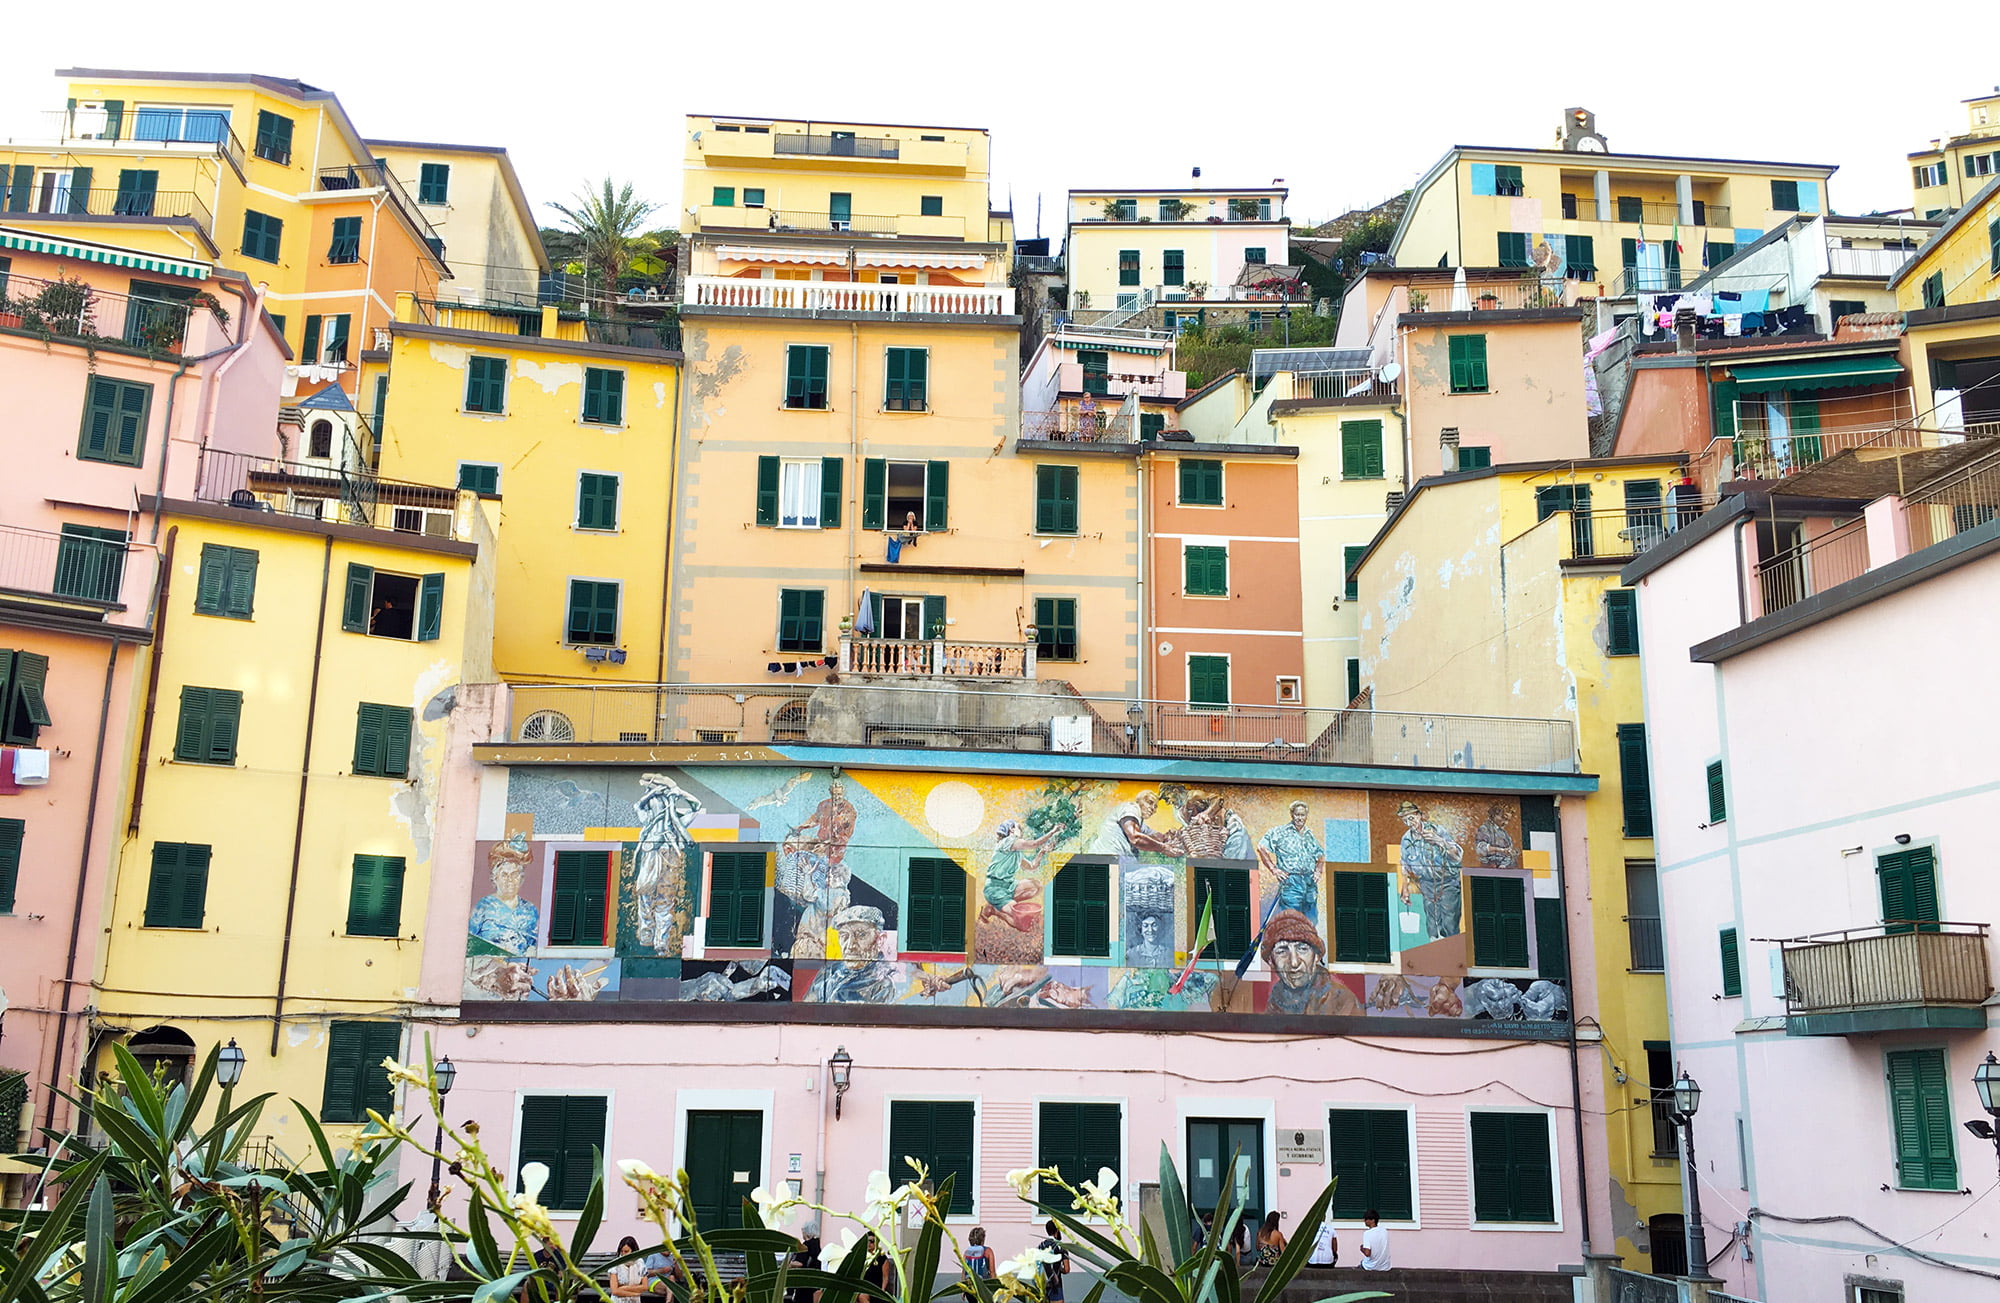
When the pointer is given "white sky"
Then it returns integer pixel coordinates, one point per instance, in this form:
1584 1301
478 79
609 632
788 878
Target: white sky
1347 109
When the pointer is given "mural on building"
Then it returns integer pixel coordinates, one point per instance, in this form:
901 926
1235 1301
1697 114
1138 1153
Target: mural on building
838 851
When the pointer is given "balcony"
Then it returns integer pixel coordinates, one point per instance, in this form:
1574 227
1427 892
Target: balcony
77 311
87 577
820 221
1865 264
1831 557
1358 386
1894 977
936 658
153 205
1649 943
339 490
840 144
1168 385
1528 294
1068 425
1615 536
747 294
170 132
1576 208
835 151
376 176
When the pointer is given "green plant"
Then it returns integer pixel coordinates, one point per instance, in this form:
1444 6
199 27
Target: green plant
203 299
1175 210
1418 300
1114 211
605 223
63 307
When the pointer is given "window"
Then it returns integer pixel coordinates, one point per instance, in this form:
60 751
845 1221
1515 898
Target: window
383 605
169 124
1360 450
1785 196
1631 209
603 396
1511 1180
1468 364
908 379
356 1081
263 236
723 196
382 740
579 902
1551 940
1350 557
1513 249
375 896
1580 255
1920 1111
23 711
1370 1149
1634 785
1255 320
1201 483
1718 802
1231 922
1926 175
1732 963
1206 569
1621 622
434 183
486 385
12 831
593 613
798 494
564 1133
114 421
1907 882
177 890
90 564
346 246
805 377
1080 910
1499 922
934 919
1473 457
1933 290
1838 308
1096 364
1253 255
1055 499
1127 210
930 206
736 898
905 495
840 210
1642 916
1992 244
326 337
753 196
1353 677
1716 252
939 1134
1151 425
1977 165
274 137
1173 267
479 477
596 501
210 719
1076 1140
1055 628
1507 180
1360 915
1128 266
801 619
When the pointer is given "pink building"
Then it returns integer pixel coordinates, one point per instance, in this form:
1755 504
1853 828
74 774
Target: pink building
1817 665
122 370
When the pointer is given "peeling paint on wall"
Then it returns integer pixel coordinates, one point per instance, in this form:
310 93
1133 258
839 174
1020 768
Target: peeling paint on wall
410 802
551 376
450 355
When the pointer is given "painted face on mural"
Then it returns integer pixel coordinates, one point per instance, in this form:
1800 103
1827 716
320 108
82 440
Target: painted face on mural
1148 803
1296 962
1299 815
1149 930
860 942
507 875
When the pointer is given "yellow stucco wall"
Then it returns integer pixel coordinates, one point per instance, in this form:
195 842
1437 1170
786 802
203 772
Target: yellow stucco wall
1982 136
1964 255
490 243
1533 406
1212 254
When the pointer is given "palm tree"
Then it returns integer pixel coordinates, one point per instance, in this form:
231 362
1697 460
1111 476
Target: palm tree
604 223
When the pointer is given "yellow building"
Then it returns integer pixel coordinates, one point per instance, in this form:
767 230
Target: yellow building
1132 249
574 437
274 876
1611 220
474 201
1496 592
1946 176
1949 292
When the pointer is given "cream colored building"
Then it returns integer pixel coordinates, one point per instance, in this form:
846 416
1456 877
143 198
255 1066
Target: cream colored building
473 199
1948 174
1130 249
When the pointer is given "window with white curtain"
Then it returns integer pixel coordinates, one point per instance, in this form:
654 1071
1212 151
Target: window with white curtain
798 495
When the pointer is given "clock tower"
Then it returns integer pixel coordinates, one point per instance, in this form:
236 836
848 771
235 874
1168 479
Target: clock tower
1578 133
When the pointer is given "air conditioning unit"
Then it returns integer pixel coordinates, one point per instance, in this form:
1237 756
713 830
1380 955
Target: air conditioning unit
547 726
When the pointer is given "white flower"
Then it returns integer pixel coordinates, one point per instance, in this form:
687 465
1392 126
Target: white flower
883 1201
533 1177
1107 1181
636 1170
1027 1264
398 1072
833 1253
774 1208
1023 1180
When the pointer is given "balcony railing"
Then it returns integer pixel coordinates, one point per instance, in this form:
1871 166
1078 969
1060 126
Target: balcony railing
75 310
848 296
1350 386
1068 425
1666 1131
373 176
334 489
937 658
820 220
836 146
1576 208
1966 500
108 579
1618 534
1525 295
1649 943
1035 264
1071 378
1833 557
121 203
1866 262
1888 976
970 716
182 131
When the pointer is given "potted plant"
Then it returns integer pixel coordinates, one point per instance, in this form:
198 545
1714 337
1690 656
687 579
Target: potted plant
1082 298
1488 300
1113 211
1419 300
1175 210
1197 289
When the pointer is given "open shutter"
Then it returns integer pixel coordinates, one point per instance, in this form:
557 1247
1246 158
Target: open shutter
1551 940
191 738
430 608
1718 796
191 901
767 490
934 617
11 833
19 193
874 493
396 724
1635 786
354 610
79 190
310 353
937 483
1621 618
830 491
1732 964
368 738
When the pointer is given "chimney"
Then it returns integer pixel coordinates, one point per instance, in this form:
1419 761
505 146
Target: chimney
1685 321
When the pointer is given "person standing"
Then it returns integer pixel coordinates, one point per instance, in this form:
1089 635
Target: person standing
978 1258
1053 1272
1374 1242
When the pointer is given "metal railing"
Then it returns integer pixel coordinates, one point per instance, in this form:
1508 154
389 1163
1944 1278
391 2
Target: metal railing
120 203
369 176
109 575
848 296
338 490
937 658
1666 1131
1961 501
1651 212
661 336
1360 385
1035 264
1636 1287
1865 262
807 219
968 717
1649 943
831 146
1886 966
1490 296
67 309
1813 566
1621 533
142 129
1067 424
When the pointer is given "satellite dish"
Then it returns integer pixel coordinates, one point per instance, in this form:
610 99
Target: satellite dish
1387 375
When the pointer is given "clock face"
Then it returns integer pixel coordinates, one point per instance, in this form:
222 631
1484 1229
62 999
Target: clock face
1589 145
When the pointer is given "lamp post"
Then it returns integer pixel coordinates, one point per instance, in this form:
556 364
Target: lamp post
1135 724
228 1071
841 1066
1687 1098
446 1074
1285 315
1986 1082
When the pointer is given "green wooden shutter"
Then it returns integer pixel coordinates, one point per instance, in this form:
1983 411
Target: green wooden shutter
1468 364
1081 911
375 896
936 919
1528 1156
1907 882
1208 681
1350 557
1055 628
1206 571
1077 1139
430 608
22 189
1920 1109
1718 797
579 903
920 910
767 490
12 833
1201 482
1353 677
1361 450
368 738
79 190
1732 963
434 183
736 898
953 1143
805 376
339 1099
1621 622
1551 940
208 726
1360 918
177 889
1230 889
1634 784
907 380
1580 252
1499 922
603 396
1056 499
241 594
1511 1180
114 119
937 495
541 1137
1513 249
354 610
309 352
1370 1153
874 492
582 1149
596 501
396 726
830 491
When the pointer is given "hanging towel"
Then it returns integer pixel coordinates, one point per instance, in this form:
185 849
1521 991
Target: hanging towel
895 548
773 668
864 618
31 766
1732 325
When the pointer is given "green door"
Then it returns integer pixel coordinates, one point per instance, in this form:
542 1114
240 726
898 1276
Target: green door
724 1161
1212 1144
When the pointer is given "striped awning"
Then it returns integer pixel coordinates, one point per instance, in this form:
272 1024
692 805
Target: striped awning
746 253
111 255
1819 373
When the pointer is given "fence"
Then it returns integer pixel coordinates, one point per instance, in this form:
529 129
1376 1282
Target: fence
847 296
1649 944
1834 557
1358 386
341 491
1067 424
122 202
68 309
86 569
1632 1287
358 176
1961 501
1530 293
207 130
1896 963
836 146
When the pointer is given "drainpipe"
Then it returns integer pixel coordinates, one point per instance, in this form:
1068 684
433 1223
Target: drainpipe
853 566
1142 467
141 765
819 1156
299 821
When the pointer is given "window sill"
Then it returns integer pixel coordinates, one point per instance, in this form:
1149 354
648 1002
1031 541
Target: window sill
593 529
1217 506
787 407
167 927
902 411
1466 393
1363 479
1211 597
204 764
803 529
375 936
1056 533
473 411
575 952
586 646
226 615
1516 1226
614 426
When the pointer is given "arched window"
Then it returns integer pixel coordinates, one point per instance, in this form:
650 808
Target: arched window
166 1053
322 439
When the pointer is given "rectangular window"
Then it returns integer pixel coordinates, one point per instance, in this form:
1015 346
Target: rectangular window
1361 917
274 137
1580 255
1785 196
114 421
1838 308
1055 499
1473 457
723 196
12 832
326 337
478 477
1907 883
1920 1110
1634 783
1350 557
1732 963
263 236
1569 208
1933 290
1128 266
434 183
1055 628
1718 798
1206 571
930 206
1254 255
564 1133
801 619
596 501
934 919
1926 175
603 396
736 882
1370 1149
801 495
753 196
1360 450
382 740
382 605
579 901
1977 165
1499 922
1096 365
1080 910
1173 267
1507 180
1255 322
805 377
1151 425
210 719
486 385
1201 483
1551 940
90 563
346 246
1468 364
1511 1177
24 713
1208 682
1716 252
356 1081
1231 921
1630 209
375 896
593 613
939 1133
1621 622
1353 677
1513 249
177 890
1076 1140
1642 916
908 379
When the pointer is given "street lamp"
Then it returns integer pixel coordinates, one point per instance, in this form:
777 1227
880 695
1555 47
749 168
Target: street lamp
841 1066
1687 1098
446 1074
1986 1081
1135 722
1285 315
228 1071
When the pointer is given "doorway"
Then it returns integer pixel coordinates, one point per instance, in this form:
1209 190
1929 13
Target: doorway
1211 1143
724 1149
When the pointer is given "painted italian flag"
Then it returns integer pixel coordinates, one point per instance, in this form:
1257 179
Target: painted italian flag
1202 934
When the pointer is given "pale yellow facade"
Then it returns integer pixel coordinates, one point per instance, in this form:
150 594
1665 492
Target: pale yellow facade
473 199
1961 263
1946 176
1173 245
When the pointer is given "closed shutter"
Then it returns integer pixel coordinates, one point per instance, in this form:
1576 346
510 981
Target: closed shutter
908 380
375 896
1208 681
24 710
1581 253
596 501
382 740
177 890
1499 922
1920 1108
1055 499
1732 963
874 492
593 612
1230 889
242 582
564 1133
1551 940
114 422
1468 364
736 898
1201 483
937 496
1078 1139
1513 249
208 726
1360 918
1621 623
936 922
603 396
1080 906
12 833
434 183
1370 1154
1907 881
486 385
274 137
1361 450
1207 571
830 492
1055 628
801 619
1350 557
1511 1178
579 904
941 1135
805 376
1634 783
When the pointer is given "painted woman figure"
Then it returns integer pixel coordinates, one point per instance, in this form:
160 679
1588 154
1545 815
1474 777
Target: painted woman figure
659 885
1011 901
503 918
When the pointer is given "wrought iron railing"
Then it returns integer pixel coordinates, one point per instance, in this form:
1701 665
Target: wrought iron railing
836 146
1649 943
1950 506
108 575
1621 533
69 309
810 219
137 129
1829 558
122 202
1355 386
340 490
1887 965
366 176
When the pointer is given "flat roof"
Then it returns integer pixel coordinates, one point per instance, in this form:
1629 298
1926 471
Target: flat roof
1651 158
1182 190
766 120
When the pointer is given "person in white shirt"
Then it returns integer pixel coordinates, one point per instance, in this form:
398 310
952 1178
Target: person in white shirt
1326 1245
1374 1242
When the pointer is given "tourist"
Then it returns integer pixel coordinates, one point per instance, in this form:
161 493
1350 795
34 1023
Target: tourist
628 1279
1270 1240
1053 1272
978 1258
1326 1244
1374 1242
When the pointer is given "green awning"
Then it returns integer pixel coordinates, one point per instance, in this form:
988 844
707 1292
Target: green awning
1818 373
28 242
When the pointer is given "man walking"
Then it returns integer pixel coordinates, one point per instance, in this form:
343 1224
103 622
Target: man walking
1374 1242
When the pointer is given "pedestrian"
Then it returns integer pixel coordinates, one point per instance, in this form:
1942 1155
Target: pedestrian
1239 1243
1326 1244
1374 1242
1198 1227
807 1257
628 1279
1053 1272
978 1258
877 1272
1270 1240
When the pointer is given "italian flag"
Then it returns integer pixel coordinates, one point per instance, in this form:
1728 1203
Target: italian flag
1203 932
